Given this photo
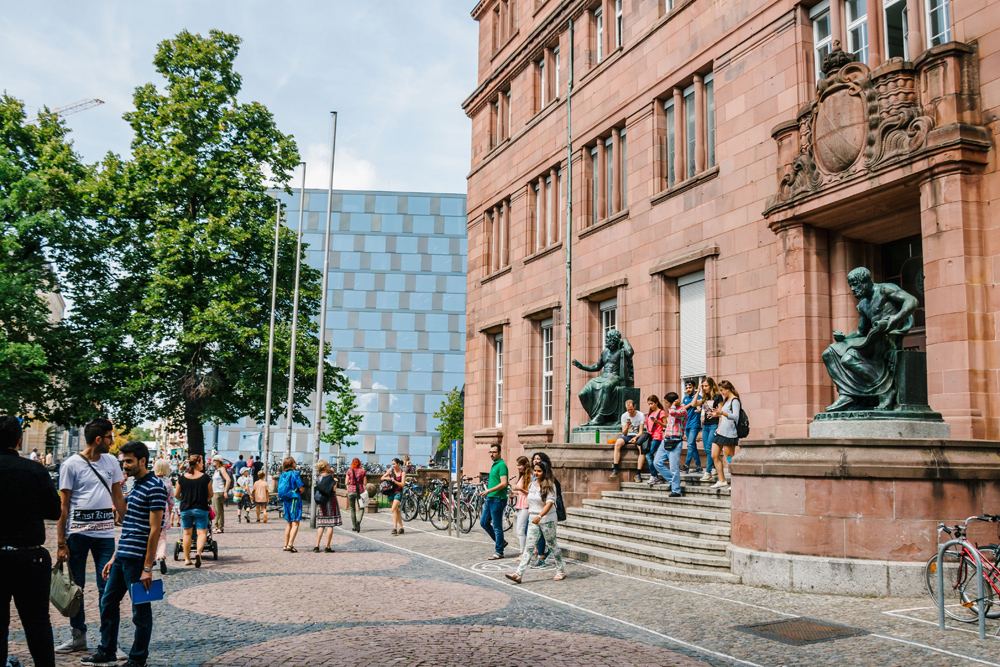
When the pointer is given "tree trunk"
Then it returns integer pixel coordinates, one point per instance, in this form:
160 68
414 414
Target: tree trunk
195 431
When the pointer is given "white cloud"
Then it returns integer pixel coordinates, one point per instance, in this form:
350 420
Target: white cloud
351 172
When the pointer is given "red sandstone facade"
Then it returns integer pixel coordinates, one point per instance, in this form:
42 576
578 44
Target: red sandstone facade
712 105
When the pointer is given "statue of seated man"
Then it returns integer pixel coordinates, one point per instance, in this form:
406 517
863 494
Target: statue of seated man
860 363
598 396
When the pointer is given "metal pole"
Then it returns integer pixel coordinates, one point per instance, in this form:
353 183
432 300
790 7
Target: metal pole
569 229
321 356
295 316
270 341
980 585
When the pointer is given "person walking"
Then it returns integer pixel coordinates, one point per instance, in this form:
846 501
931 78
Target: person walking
726 439
90 485
33 456
542 521
221 483
692 426
239 466
521 499
542 552
242 494
48 458
670 449
633 426
162 471
290 489
257 467
27 492
709 399
261 495
496 498
327 508
356 479
194 488
132 562
396 476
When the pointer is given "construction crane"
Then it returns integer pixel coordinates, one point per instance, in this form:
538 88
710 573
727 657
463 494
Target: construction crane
76 107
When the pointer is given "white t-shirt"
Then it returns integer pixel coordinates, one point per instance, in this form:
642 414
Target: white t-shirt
33 456
90 508
218 481
536 503
634 423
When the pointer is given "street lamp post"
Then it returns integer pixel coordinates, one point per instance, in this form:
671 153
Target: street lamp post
295 319
270 341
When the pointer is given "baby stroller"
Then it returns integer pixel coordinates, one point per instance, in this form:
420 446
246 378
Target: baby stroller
210 544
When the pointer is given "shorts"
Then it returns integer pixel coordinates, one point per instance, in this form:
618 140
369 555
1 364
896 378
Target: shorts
630 438
197 519
729 444
393 496
260 504
293 509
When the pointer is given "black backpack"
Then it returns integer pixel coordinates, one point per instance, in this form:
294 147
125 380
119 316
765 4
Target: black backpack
322 492
742 424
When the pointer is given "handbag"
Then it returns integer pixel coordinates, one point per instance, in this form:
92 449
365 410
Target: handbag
386 487
64 594
644 442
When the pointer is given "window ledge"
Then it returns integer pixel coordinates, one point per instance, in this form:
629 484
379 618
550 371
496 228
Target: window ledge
602 224
497 51
496 274
608 58
684 186
548 250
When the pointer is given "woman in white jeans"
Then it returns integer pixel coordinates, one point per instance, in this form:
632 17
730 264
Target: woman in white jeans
725 438
542 514
521 498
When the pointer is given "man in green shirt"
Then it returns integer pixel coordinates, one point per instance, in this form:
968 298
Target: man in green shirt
496 498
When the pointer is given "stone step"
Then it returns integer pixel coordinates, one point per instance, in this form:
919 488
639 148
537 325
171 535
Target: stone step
661 511
644 536
630 549
705 531
643 568
653 497
691 490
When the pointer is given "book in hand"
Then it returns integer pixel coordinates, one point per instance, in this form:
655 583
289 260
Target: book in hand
140 595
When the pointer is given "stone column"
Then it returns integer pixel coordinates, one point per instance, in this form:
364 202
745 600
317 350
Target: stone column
552 229
680 142
700 132
496 245
876 34
601 202
803 327
914 31
959 332
616 191
505 234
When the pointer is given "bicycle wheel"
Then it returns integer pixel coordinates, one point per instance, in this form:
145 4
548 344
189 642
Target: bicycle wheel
440 515
465 518
408 508
508 517
960 587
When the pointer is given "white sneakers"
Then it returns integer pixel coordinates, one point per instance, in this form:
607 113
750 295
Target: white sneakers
719 485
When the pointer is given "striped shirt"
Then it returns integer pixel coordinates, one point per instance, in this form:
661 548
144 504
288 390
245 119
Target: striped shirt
148 495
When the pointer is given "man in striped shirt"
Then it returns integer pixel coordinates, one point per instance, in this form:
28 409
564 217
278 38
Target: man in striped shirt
132 562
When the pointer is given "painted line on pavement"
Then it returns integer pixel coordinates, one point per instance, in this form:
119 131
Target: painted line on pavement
527 591
937 650
935 623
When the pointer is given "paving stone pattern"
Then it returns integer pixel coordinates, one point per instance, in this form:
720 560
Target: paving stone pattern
434 599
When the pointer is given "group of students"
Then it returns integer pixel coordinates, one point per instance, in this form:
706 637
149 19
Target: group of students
660 434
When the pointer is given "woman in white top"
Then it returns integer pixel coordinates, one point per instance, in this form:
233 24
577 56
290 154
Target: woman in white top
542 521
725 438
521 487
221 482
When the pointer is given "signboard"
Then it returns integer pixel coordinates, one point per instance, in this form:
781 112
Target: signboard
456 455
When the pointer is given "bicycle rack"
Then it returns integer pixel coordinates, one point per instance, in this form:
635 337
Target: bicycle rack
980 583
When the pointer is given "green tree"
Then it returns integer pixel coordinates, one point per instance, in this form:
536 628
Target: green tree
172 280
341 420
42 182
451 416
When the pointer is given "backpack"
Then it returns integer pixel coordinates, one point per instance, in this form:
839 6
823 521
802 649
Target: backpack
285 490
320 493
560 507
742 424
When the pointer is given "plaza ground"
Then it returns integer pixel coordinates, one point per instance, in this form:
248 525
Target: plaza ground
427 598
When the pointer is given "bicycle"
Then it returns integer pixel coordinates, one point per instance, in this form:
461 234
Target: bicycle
960 574
408 506
442 509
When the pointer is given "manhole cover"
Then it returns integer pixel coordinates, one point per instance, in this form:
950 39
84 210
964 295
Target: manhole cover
801 631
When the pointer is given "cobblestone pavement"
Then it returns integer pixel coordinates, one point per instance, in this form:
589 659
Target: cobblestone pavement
429 598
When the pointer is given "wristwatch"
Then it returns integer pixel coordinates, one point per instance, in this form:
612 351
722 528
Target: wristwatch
147 569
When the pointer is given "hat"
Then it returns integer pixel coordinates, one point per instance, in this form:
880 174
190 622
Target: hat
217 458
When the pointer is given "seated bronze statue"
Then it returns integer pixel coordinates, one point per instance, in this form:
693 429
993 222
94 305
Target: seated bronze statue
861 363
598 396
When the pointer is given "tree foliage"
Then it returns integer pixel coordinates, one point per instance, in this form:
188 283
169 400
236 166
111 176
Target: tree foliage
171 283
451 415
341 420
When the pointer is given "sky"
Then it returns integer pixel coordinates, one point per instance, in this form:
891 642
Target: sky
396 71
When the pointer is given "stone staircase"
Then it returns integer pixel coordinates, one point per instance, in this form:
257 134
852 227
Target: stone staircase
640 530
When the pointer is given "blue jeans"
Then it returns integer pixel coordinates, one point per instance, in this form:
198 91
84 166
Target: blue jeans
651 454
492 521
124 573
670 449
103 548
194 519
707 437
691 435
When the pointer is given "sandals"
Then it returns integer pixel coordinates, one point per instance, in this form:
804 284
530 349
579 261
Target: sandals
513 577
197 560
495 557
559 577
292 550
285 548
400 531
395 532
328 550
315 550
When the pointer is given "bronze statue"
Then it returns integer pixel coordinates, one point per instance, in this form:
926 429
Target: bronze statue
861 363
599 395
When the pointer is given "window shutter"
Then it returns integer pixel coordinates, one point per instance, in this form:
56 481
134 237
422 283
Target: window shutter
693 348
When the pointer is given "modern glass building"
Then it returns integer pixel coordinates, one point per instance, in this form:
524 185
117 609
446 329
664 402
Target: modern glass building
395 318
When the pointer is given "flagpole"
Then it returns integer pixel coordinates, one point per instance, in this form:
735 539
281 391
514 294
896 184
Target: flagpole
295 315
270 340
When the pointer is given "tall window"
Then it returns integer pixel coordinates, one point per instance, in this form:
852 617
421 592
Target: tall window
668 108
710 120
623 169
555 62
549 205
510 116
619 22
857 29
547 350
692 323
498 347
599 21
938 22
609 317
895 21
499 231
689 130
539 216
822 34
595 169
560 205
543 84
609 176
495 121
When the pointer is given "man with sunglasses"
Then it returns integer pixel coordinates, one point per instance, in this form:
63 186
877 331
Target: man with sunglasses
90 485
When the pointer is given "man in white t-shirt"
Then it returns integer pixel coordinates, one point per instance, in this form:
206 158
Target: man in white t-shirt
33 455
90 485
633 425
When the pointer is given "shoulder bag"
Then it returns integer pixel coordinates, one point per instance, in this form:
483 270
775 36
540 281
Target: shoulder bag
101 479
64 594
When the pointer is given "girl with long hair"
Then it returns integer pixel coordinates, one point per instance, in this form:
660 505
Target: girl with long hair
290 489
328 511
655 422
521 498
194 488
542 521
725 438
397 476
708 400
355 481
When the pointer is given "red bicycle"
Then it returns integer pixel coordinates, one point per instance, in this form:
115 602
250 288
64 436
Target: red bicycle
960 574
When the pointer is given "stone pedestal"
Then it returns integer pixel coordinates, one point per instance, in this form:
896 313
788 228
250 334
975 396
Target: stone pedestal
583 435
583 468
878 424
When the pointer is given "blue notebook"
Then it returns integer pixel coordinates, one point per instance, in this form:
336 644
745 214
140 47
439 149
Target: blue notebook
140 595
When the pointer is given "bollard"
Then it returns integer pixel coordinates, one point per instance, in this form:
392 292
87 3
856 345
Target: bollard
980 586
